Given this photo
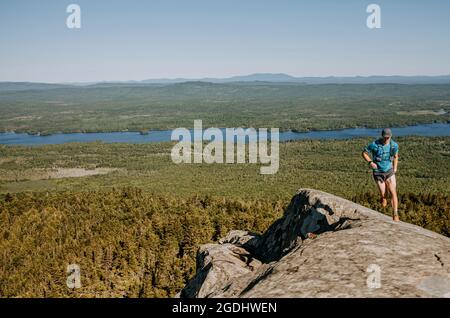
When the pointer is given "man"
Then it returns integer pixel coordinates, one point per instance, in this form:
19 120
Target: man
382 156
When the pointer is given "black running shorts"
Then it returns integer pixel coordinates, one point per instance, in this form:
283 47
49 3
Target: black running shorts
383 176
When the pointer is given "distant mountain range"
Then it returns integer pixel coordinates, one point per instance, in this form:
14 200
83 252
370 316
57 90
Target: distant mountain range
279 78
285 78
260 77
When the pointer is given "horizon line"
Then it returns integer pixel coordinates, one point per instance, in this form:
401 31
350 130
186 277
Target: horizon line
205 78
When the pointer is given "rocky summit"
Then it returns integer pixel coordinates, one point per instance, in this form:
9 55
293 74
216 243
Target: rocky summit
356 252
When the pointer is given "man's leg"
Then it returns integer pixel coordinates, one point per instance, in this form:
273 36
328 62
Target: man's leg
391 185
382 188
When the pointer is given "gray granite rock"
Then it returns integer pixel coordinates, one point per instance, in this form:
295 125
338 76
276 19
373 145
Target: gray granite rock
358 252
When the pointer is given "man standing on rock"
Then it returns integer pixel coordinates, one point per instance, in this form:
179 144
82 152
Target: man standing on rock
382 156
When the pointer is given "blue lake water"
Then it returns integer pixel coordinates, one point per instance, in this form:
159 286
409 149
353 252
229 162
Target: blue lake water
11 138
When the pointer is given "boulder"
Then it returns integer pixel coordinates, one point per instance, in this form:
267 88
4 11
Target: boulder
358 252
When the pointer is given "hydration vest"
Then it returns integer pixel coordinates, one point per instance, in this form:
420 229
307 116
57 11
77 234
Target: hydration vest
379 154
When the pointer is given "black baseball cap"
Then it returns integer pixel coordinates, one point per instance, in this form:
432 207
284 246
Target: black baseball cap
386 132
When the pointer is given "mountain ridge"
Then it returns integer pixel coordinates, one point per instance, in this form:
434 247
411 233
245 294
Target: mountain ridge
286 78
278 78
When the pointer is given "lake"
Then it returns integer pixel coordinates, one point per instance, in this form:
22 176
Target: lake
11 138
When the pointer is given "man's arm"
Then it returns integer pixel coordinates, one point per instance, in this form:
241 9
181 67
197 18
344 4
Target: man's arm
366 157
395 162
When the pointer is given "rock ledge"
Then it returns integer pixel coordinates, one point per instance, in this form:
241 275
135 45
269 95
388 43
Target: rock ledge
358 253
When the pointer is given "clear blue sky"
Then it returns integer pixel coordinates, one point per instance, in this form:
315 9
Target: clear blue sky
131 39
